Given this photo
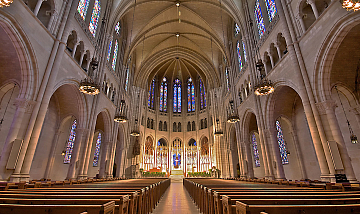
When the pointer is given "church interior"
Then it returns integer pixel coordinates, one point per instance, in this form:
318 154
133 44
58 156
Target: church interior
146 100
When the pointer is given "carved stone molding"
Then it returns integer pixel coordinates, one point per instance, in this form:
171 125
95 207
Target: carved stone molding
325 106
28 105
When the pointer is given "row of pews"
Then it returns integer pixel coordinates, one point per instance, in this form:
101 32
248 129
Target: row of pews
107 197
218 196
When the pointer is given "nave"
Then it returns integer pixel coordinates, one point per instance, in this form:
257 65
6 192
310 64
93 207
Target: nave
191 196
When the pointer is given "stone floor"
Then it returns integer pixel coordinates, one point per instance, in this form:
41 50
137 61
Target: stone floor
176 200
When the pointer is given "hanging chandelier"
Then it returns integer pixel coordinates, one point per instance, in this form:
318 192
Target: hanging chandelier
351 5
264 87
120 115
5 3
233 117
353 137
218 131
135 132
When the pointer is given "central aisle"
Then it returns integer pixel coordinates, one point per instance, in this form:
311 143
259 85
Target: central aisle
176 200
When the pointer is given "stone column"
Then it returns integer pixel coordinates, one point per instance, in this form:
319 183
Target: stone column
84 166
277 46
52 18
249 160
75 153
329 106
301 21
313 7
299 155
82 57
38 6
51 159
271 58
104 160
23 106
279 169
74 51
266 68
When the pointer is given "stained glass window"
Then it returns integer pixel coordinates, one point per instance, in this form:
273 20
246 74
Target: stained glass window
244 50
163 95
239 55
227 78
127 78
70 143
255 150
271 9
259 19
113 64
117 28
82 7
177 96
191 95
109 50
94 21
202 95
236 29
151 94
97 150
281 142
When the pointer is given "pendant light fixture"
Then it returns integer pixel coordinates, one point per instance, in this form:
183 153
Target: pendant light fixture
120 115
233 116
353 137
218 131
135 132
5 3
351 5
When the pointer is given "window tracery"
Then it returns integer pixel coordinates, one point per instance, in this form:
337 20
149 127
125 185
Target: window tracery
97 150
282 145
177 96
94 21
70 143
191 95
163 95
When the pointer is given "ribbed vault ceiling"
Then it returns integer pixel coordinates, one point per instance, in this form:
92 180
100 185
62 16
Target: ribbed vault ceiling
198 50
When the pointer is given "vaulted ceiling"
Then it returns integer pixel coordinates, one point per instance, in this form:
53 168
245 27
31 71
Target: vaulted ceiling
198 49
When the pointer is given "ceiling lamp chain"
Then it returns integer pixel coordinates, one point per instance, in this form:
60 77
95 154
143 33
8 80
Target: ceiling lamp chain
121 112
218 131
353 137
353 5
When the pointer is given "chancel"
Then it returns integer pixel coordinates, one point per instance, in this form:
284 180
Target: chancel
213 106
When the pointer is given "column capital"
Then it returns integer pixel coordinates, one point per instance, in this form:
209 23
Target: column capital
26 104
327 105
310 2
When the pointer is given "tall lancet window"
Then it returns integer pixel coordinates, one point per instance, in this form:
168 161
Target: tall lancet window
70 143
255 150
177 96
97 150
94 21
236 29
151 94
202 95
271 9
281 142
127 78
113 64
244 50
163 95
82 8
238 50
259 19
191 95
109 50
227 78
118 28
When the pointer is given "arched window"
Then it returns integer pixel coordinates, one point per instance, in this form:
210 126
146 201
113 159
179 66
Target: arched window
259 19
163 95
160 125
244 50
82 8
113 64
239 55
177 96
179 127
97 150
281 142
109 50
189 126
193 128
94 21
227 78
202 95
70 143
236 29
151 94
271 9
191 95
174 127
118 28
255 150
127 78
165 126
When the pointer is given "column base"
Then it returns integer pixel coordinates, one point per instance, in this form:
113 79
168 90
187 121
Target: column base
328 177
82 177
109 176
15 178
270 177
